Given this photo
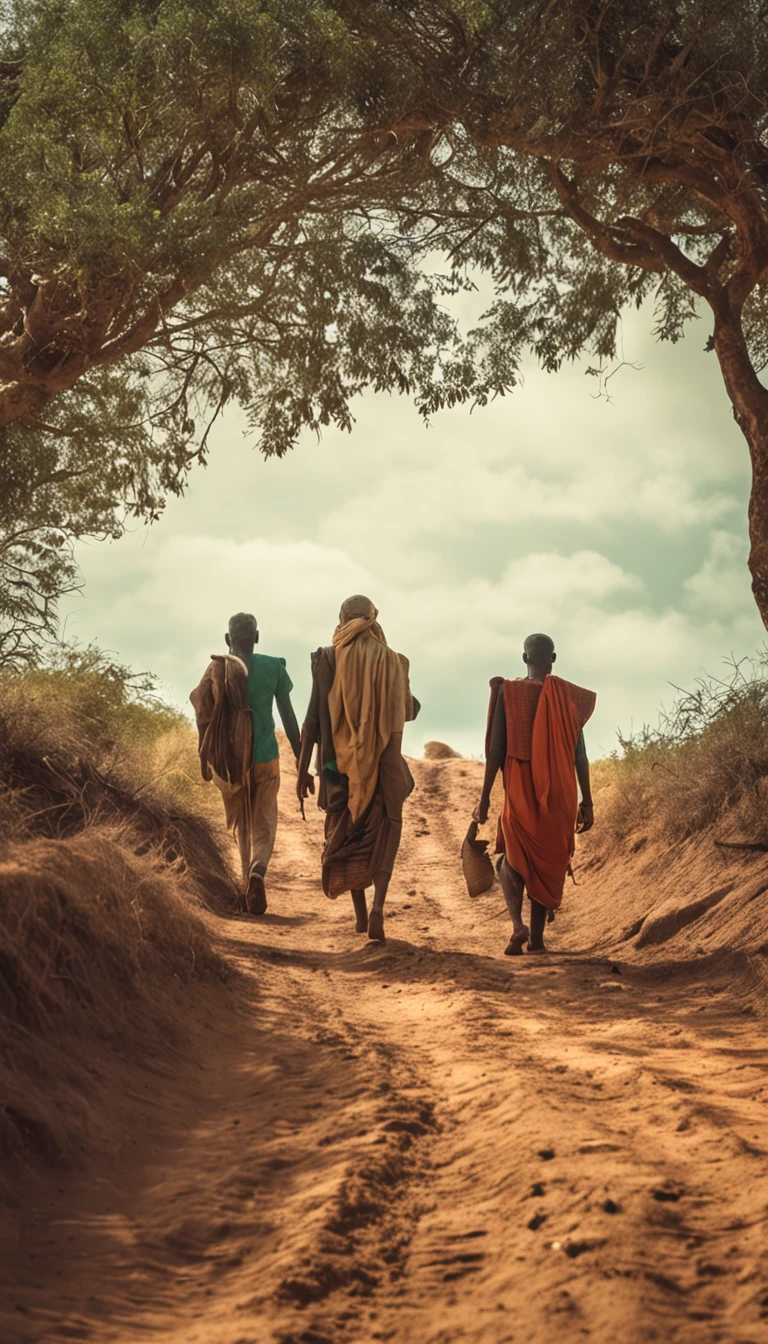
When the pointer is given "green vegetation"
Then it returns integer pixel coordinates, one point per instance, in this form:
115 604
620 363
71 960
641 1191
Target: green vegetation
269 201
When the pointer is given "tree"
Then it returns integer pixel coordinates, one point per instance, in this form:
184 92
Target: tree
190 210
207 199
626 154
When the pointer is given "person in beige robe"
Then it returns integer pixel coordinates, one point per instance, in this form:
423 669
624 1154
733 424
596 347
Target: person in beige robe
360 702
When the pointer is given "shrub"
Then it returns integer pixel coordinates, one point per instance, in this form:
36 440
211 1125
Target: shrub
83 725
708 755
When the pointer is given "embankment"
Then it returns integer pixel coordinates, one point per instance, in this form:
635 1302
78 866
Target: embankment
106 932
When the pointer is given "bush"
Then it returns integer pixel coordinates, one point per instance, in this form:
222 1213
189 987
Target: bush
707 756
83 725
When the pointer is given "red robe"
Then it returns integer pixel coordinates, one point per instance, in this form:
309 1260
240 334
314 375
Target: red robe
537 824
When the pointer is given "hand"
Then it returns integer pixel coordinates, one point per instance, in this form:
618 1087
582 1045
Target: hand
585 819
305 784
480 814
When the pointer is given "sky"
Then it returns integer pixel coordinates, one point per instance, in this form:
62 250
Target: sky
618 527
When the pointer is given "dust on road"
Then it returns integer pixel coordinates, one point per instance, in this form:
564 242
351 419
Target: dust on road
423 1141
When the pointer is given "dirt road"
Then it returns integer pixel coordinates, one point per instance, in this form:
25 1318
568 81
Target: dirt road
424 1141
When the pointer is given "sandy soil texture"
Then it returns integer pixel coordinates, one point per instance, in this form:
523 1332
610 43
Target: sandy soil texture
425 1141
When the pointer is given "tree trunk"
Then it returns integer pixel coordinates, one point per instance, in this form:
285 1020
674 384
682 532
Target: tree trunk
750 408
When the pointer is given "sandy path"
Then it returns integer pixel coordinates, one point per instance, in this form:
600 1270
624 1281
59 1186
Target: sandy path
423 1141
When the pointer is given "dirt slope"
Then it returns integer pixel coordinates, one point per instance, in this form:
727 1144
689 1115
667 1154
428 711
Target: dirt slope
427 1142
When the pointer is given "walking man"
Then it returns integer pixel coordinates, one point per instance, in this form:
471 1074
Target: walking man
360 702
535 736
238 748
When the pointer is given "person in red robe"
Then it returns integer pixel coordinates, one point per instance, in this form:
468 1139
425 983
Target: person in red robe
535 735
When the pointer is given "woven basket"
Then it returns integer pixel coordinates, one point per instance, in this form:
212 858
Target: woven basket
478 869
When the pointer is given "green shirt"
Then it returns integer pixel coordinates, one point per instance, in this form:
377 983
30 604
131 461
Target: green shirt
267 679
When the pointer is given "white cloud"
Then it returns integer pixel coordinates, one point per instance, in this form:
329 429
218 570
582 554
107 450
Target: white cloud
721 586
171 599
545 510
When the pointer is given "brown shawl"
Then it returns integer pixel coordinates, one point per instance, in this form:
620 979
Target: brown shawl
224 725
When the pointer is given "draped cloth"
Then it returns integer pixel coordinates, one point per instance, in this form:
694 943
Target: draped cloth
537 825
361 698
223 716
367 705
225 742
355 852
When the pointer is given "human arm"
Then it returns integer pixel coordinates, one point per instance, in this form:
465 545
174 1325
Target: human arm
305 782
497 751
288 720
586 817
285 709
310 735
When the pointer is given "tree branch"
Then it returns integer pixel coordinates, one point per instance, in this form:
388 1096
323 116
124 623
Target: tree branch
629 253
670 254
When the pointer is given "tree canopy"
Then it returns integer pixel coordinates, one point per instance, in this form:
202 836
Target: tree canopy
269 200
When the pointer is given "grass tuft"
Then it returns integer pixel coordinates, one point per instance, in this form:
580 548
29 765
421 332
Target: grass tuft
704 765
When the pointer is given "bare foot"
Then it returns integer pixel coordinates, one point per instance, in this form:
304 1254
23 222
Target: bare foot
517 942
376 926
256 896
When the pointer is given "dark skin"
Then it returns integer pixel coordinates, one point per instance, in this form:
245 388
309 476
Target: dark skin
244 649
305 780
511 881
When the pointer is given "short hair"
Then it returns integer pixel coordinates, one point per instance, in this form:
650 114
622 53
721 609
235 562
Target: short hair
243 627
358 606
539 648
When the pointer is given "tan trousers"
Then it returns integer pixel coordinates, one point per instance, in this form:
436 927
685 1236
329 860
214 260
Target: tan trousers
255 826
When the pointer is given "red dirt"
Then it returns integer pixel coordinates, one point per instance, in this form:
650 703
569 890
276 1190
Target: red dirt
425 1142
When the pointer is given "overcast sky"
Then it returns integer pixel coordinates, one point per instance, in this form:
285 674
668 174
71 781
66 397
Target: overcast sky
619 529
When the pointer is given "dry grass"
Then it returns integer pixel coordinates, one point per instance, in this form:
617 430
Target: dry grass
705 766
106 860
84 747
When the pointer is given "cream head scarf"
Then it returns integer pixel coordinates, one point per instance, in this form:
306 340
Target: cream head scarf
366 701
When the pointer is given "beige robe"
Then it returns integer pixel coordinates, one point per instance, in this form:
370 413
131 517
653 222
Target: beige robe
367 704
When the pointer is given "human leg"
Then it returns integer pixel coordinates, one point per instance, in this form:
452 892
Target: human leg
265 786
513 887
538 924
396 784
361 911
265 789
376 917
235 800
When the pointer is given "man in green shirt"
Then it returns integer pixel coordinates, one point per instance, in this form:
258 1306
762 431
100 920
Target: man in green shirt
248 773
